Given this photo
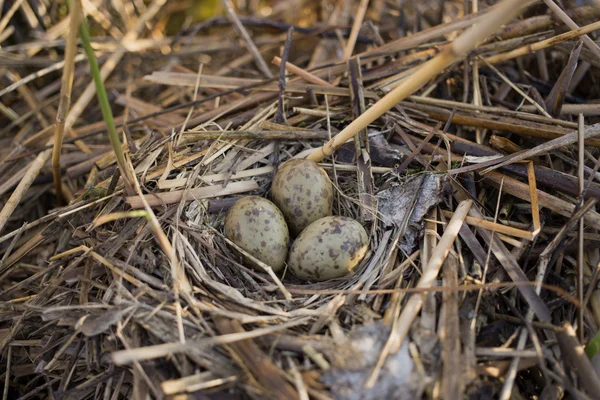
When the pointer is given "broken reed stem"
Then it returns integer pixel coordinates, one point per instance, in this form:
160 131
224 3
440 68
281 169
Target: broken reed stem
65 93
358 20
553 41
302 73
448 56
580 249
105 105
572 25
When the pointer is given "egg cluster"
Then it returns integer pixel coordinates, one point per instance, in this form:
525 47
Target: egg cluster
325 246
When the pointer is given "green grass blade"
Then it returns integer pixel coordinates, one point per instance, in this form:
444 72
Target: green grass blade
103 100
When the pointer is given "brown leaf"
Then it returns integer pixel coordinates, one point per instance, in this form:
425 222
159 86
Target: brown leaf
556 98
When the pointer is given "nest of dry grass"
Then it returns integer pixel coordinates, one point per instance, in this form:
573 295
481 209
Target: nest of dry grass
478 192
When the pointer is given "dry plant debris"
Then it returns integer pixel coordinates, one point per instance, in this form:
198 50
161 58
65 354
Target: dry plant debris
464 137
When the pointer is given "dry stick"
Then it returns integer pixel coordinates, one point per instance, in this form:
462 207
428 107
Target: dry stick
532 48
544 148
239 27
452 375
8 373
358 20
6 18
571 24
193 137
512 370
402 325
580 255
544 260
204 192
518 90
477 101
449 55
34 168
65 93
302 73
280 116
427 35
38 74
162 350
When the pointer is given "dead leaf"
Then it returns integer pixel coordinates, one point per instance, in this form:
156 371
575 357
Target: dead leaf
405 205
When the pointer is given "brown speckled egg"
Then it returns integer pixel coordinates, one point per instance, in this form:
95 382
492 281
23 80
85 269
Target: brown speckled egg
328 248
303 192
257 226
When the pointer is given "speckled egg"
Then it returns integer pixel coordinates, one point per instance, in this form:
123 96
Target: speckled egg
328 248
257 226
303 192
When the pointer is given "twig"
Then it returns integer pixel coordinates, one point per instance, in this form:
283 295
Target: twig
402 325
161 350
546 147
553 41
571 24
9 14
239 27
580 248
358 20
280 116
302 73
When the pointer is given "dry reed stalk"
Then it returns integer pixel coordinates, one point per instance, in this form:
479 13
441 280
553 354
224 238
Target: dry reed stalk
214 178
124 357
553 41
580 248
450 104
501 14
239 27
572 25
452 376
521 190
65 93
358 20
165 198
302 73
588 110
565 140
219 82
402 324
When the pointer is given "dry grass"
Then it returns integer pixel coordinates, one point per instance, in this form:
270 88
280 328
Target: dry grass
480 199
